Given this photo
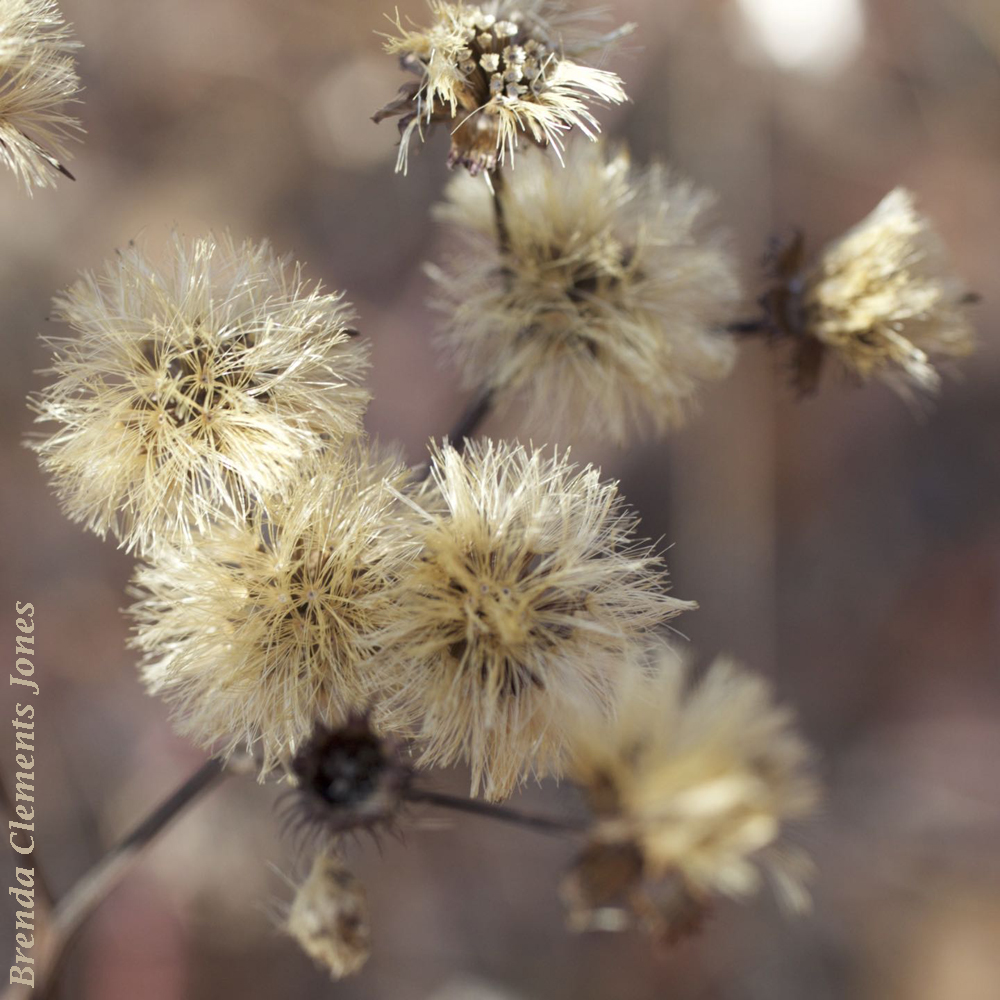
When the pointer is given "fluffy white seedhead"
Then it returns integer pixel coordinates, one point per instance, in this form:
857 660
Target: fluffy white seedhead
529 588
604 311
499 72
192 391
884 299
700 778
257 633
37 80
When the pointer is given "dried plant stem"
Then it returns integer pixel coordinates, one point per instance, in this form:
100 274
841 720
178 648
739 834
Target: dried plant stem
498 185
504 814
747 326
86 896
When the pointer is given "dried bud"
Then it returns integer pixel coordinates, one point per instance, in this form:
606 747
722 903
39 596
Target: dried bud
329 917
349 778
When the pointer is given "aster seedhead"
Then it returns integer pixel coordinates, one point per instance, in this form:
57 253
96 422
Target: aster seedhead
528 589
690 786
604 309
192 392
329 917
499 72
882 299
37 80
258 632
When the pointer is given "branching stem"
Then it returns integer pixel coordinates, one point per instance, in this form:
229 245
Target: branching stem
95 886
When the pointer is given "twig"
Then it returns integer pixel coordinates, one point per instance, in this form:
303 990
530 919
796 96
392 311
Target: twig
498 185
92 889
543 824
747 326
465 427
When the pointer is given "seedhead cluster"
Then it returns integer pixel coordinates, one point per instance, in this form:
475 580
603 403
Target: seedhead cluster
350 622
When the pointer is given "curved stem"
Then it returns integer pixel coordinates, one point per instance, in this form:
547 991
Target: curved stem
488 810
95 886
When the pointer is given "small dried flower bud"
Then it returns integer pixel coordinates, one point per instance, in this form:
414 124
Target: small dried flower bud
349 777
495 119
37 79
528 591
329 917
699 780
604 311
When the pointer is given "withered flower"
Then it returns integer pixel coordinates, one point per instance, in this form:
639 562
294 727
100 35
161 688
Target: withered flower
329 917
257 632
529 587
690 786
497 72
882 300
37 80
604 310
194 390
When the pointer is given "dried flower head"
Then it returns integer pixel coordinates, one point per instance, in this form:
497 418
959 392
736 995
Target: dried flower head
37 79
194 390
529 587
505 69
882 299
258 632
690 786
349 778
329 917
605 306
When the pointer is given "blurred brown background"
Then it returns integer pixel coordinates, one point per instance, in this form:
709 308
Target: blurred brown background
845 548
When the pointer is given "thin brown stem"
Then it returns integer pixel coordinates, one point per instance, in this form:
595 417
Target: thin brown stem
747 327
498 185
95 886
504 814
465 427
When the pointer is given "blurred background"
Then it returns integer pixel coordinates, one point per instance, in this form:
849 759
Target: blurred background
843 547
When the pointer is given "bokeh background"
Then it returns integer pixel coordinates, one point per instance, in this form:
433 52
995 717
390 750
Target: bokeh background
840 545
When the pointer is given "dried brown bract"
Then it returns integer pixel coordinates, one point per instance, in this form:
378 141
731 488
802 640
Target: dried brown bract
349 778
